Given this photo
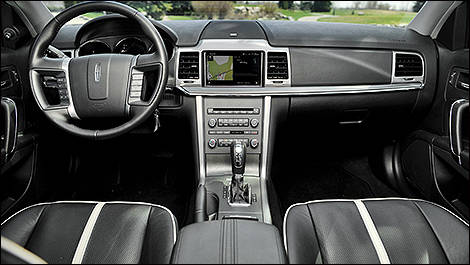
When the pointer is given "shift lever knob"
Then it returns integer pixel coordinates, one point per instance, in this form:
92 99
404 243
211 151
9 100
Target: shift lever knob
238 155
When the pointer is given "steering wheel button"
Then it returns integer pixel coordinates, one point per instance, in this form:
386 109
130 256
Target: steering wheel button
136 88
137 83
137 76
135 94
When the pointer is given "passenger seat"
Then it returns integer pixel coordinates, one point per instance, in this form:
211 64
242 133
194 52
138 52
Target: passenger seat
391 230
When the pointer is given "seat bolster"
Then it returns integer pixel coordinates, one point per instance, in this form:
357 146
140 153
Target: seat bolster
300 238
448 230
161 224
20 226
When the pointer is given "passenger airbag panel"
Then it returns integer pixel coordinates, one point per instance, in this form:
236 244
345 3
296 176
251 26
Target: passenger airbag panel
321 66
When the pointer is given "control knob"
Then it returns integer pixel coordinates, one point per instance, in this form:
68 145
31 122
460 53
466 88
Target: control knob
254 143
212 123
212 143
254 123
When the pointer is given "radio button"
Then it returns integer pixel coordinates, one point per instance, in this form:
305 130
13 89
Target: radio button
212 143
254 123
212 123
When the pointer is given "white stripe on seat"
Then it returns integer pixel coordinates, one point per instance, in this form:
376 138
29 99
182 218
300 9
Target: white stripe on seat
86 234
372 230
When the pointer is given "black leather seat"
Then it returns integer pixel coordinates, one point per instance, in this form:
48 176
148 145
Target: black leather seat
91 232
374 231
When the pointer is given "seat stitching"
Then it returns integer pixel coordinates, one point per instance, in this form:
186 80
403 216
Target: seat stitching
230 238
221 243
432 229
235 241
316 233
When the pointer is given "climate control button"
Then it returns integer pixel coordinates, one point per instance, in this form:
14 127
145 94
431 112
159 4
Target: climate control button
254 143
212 143
212 123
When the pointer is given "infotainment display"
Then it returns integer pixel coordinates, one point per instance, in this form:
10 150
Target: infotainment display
234 68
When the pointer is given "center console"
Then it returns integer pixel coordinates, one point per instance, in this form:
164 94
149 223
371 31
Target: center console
228 79
231 124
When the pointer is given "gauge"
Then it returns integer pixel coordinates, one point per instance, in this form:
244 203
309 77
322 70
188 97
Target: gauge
93 47
131 45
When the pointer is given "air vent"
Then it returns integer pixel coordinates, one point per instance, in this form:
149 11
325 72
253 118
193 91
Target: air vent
408 65
188 65
277 65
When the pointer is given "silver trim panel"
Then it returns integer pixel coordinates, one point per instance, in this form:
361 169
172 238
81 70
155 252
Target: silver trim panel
454 152
71 51
200 139
15 135
264 160
297 91
71 107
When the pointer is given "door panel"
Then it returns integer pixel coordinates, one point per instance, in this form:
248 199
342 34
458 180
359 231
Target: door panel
430 165
17 168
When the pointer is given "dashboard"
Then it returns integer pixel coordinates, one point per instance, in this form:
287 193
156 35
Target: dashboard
301 60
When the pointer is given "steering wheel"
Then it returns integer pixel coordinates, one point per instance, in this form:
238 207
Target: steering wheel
102 85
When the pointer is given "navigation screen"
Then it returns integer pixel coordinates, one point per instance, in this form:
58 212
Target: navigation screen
233 68
220 68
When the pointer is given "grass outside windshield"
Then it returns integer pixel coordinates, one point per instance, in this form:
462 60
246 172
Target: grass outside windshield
383 13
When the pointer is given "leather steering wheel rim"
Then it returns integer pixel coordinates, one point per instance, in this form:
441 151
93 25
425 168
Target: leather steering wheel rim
64 117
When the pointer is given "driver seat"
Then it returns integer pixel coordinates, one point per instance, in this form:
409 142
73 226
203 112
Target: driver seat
93 232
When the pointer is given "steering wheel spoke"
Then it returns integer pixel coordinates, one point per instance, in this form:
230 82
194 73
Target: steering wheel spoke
51 76
46 63
148 62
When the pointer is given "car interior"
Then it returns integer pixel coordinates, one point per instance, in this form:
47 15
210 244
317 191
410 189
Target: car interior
128 139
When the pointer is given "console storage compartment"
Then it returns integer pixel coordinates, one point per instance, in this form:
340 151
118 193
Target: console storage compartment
229 241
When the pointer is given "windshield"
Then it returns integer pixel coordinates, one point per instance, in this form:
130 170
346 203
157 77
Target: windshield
386 13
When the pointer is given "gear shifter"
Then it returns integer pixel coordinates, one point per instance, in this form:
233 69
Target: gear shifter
240 193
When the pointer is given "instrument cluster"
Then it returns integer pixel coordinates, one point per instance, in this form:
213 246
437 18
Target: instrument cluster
126 45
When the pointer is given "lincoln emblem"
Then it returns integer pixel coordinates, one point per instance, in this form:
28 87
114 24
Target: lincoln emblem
97 72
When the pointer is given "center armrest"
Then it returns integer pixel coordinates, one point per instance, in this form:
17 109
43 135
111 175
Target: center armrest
229 241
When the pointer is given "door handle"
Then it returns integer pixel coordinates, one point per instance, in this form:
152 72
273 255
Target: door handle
456 121
10 133
461 84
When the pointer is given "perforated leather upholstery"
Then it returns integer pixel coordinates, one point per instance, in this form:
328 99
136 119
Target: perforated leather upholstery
411 231
124 232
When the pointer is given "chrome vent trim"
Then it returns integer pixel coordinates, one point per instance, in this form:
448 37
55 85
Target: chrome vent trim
188 65
277 66
411 78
